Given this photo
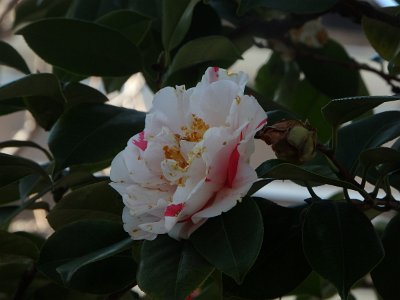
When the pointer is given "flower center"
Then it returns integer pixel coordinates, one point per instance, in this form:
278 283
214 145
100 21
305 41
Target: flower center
195 132
175 154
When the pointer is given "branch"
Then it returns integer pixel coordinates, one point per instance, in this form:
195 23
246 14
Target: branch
353 65
358 9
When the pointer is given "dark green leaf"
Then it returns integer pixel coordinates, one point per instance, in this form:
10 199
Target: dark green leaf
15 167
76 93
132 25
339 111
385 275
31 184
340 243
12 270
9 192
83 47
11 105
384 38
275 116
180 269
94 201
41 95
68 270
293 6
281 265
212 288
231 242
6 212
378 156
202 50
13 244
83 243
277 169
304 100
315 286
177 16
92 133
90 10
11 58
365 134
18 144
31 10
270 75
332 79
112 84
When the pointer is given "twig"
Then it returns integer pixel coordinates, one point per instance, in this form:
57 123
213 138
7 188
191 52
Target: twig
353 65
358 9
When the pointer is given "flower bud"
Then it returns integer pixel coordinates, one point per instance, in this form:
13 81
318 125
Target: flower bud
292 140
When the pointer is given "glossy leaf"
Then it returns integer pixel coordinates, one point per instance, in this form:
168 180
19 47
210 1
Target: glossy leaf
13 244
94 201
277 169
11 58
332 79
202 50
15 167
380 155
387 272
339 111
177 16
281 265
90 10
340 243
9 192
365 134
87 133
315 286
77 93
305 6
12 271
82 47
270 75
76 249
132 25
180 269
231 242
301 98
30 144
39 93
384 38
32 10
69 269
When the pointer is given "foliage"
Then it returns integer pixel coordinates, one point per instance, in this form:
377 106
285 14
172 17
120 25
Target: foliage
257 250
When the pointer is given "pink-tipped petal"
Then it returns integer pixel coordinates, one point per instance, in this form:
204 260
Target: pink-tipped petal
173 210
140 142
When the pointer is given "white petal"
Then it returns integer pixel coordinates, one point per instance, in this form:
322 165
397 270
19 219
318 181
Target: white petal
212 103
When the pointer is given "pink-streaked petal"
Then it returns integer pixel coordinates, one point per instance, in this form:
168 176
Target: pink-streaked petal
232 167
139 141
262 123
173 210
227 198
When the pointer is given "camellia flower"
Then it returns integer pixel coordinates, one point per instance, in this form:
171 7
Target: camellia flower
191 162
